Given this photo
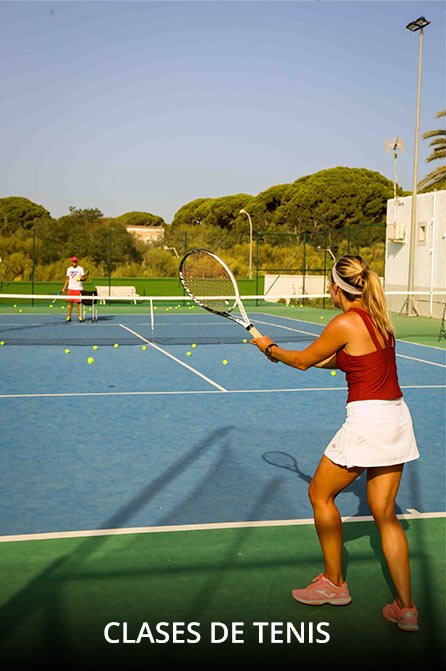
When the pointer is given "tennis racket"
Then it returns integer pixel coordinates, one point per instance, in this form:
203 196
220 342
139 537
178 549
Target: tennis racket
55 299
209 282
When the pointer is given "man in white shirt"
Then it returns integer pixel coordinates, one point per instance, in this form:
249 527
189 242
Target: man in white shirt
74 279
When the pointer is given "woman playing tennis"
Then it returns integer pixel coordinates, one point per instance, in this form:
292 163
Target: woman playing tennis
377 434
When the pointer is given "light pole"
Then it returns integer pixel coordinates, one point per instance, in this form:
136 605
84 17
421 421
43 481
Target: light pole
173 249
250 242
414 27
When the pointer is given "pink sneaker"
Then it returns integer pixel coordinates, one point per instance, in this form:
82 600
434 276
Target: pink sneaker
323 591
405 618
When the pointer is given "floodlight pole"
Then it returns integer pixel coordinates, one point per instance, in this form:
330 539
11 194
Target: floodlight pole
250 242
411 304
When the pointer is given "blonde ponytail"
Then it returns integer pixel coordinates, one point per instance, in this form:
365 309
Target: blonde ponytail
355 272
374 302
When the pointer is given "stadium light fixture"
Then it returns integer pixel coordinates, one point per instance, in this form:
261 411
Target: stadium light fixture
173 249
420 23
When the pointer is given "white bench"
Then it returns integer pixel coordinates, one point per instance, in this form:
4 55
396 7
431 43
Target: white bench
115 292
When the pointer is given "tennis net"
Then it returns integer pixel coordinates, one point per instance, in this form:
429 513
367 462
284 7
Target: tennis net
42 320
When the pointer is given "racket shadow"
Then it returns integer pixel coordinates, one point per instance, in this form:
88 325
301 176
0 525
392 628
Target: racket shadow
351 531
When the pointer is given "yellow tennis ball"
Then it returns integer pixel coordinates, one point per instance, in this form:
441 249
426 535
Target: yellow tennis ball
67 351
144 347
225 363
189 353
333 372
321 317
2 343
116 345
194 345
90 359
244 340
95 346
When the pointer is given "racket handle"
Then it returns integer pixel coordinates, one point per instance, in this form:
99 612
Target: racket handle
253 332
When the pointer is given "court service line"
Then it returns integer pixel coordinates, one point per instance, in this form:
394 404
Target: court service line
413 358
88 533
203 391
419 344
157 347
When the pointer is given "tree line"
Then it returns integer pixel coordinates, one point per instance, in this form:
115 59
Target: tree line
339 208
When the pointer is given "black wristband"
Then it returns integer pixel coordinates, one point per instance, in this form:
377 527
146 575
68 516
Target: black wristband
268 349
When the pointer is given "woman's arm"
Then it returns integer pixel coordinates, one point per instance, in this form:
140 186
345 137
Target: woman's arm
321 353
331 362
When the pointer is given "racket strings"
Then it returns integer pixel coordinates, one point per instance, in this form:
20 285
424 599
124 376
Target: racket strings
209 282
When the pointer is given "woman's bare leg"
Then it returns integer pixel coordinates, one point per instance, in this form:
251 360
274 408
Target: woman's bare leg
382 488
327 482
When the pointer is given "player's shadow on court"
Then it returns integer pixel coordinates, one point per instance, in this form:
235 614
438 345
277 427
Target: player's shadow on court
353 530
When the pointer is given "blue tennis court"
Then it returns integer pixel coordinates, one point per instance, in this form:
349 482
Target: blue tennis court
181 440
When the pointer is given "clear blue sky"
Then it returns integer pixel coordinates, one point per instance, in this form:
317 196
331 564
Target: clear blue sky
148 105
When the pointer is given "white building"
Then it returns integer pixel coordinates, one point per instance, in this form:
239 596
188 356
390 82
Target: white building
429 256
147 233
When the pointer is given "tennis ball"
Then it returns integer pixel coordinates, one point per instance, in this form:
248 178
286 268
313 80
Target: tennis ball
2 343
189 353
116 345
67 351
95 346
90 359
333 372
244 340
144 347
225 363
321 317
194 345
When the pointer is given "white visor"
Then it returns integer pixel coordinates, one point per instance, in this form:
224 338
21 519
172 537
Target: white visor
348 288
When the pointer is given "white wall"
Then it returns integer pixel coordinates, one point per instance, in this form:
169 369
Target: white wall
147 233
430 250
293 285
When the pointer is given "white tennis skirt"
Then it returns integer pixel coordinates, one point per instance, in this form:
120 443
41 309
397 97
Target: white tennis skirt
375 433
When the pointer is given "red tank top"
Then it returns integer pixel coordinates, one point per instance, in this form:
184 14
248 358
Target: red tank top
373 375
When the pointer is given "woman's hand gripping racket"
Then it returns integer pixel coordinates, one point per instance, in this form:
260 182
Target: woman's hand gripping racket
210 283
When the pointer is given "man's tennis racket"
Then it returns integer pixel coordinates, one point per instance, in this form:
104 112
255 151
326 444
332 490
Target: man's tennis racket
55 299
210 283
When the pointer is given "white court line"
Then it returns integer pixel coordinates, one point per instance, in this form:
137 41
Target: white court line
432 363
419 344
157 347
89 533
206 391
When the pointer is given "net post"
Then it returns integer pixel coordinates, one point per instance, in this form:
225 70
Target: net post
152 317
